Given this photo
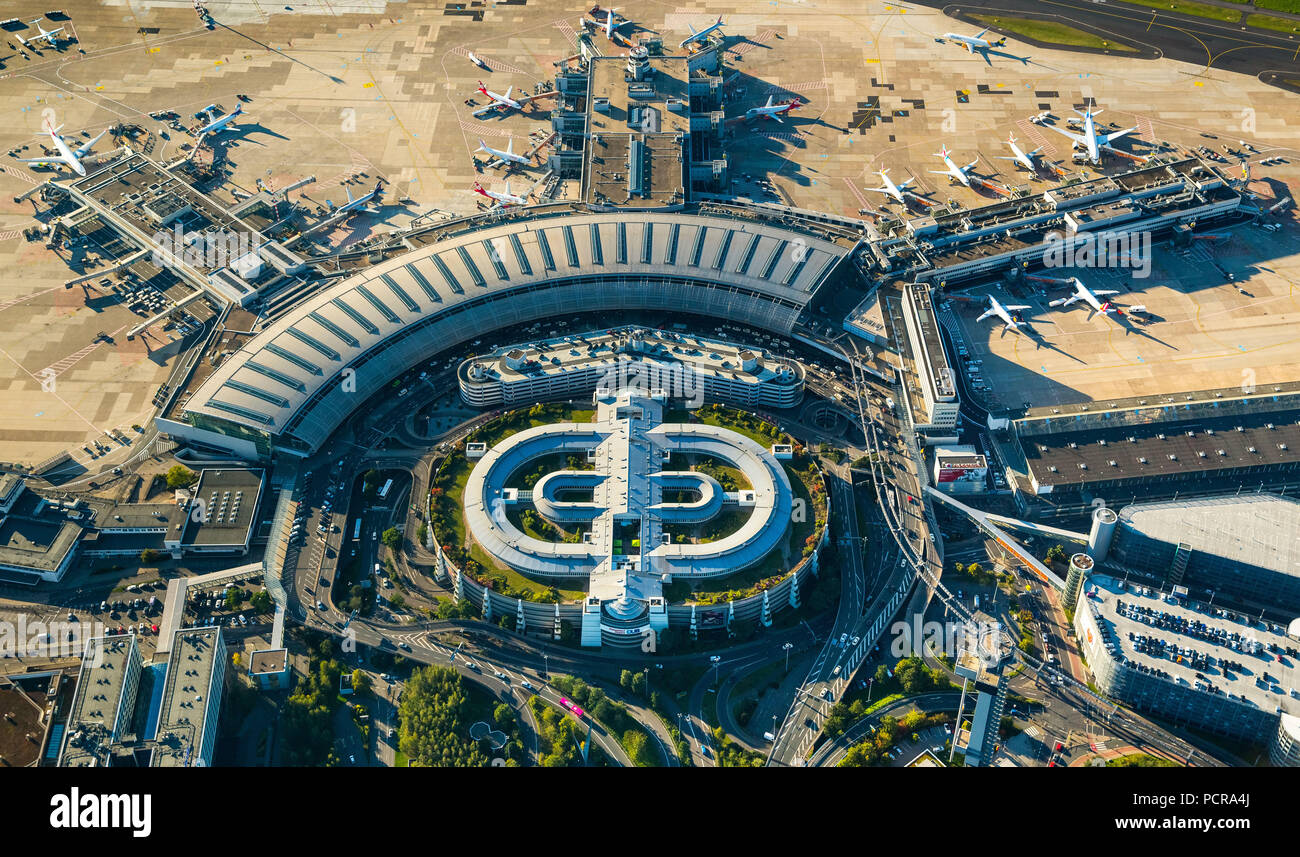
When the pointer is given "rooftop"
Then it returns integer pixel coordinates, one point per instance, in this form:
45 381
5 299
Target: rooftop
188 689
1203 445
1189 644
1259 530
230 499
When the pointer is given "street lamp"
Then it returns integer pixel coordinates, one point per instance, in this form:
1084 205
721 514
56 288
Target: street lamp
546 660
715 660
787 647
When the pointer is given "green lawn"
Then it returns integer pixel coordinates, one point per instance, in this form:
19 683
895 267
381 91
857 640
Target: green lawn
1277 5
1272 22
1052 32
1190 7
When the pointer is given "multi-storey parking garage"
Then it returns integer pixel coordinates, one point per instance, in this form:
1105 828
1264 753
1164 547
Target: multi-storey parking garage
292 384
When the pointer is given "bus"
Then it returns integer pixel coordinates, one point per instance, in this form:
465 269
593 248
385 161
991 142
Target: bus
571 708
356 531
383 492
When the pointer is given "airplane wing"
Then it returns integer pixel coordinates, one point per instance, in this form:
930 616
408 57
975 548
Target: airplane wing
902 185
769 101
971 164
50 159
1078 138
1109 137
987 313
941 172
1102 294
85 148
1021 306
774 116
879 189
491 108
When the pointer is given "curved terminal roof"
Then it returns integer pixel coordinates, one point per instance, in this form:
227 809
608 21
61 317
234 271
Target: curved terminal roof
401 311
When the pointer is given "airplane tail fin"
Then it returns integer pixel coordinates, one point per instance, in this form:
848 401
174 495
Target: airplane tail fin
719 21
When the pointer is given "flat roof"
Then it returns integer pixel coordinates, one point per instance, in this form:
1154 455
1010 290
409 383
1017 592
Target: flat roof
558 355
1203 445
1246 683
191 669
637 151
97 703
230 498
269 661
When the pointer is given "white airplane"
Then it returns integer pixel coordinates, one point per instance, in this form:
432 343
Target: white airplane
1083 293
506 198
1089 138
68 157
1004 312
773 111
702 34
1024 159
610 25
50 37
508 156
500 102
360 202
954 172
216 126
976 42
478 61
894 190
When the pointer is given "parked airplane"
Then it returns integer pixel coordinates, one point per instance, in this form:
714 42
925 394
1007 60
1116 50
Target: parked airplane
773 111
1083 293
976 42
611 25
50 37
215 126
478 61
1089 138
506 198
954 172
1004 313
68 157
361 201
702 34
500 102
894 190
508 156
1024 159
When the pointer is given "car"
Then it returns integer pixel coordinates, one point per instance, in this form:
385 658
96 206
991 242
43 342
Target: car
320 605
72 617
352 760
404 646
243 620
844 638
499 676
527 684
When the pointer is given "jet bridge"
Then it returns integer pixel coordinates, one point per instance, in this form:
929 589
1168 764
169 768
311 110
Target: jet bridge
989 524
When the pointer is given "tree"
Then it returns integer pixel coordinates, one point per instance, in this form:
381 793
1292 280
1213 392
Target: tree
392 538
180 476
234 597
1056 554
260 601
436 714
360 681
504 716
149 555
